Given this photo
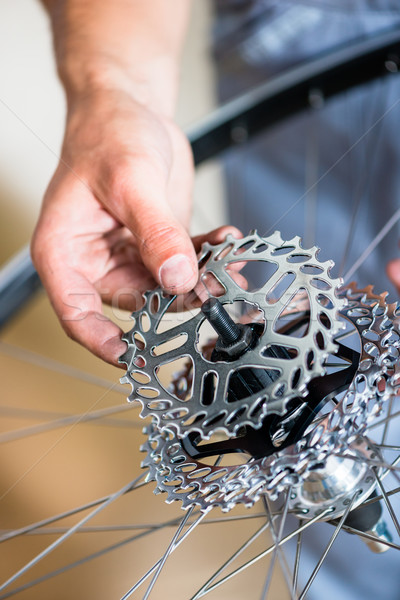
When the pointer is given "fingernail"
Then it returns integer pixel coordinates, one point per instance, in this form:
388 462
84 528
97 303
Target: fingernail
176 272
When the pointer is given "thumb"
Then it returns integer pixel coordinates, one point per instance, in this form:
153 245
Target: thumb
167 251
164 244
393 272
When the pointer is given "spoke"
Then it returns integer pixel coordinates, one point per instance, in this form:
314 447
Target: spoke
154 567
276 549
94 555
70 532
54 445
389 469
369 461
386 429
375 242
344 335
388 447
378 498
34 526
36 414
278 552
382 421
297 559
168 552
311 177
94 529
204 589
363 189
331 168
235 518
44 362
370 536
39 528
258 557
329 546
388 503
19 434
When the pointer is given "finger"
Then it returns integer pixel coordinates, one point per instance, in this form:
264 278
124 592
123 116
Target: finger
217 236
124 286
393 272
78 306
139 200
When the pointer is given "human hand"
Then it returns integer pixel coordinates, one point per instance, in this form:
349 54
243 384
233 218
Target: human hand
393 272
115 216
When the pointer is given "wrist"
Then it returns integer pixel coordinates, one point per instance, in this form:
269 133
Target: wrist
153 84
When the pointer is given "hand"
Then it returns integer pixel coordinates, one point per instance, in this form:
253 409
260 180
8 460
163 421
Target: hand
393 272
115 216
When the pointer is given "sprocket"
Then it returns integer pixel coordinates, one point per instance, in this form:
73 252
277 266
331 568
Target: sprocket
290 360
183 470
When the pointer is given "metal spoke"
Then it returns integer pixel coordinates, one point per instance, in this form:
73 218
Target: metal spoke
278 552
386 428
44 362
363 189
39 528
330 169
167 553
388 447
38 524
383 421
378 498
154 567
297 559
70 532
149 530
261 555
18 434
388 503
345 334
204 589
370 536
311 190
37 414
375 242
329 546
389 470
369 461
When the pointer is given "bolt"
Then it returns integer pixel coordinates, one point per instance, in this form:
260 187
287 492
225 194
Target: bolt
217 316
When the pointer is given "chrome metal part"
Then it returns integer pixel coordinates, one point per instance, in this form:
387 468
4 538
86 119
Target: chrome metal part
332 484
291 360
332 444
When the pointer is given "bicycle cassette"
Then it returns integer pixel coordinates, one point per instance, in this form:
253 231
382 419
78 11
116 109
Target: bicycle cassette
257 368
322 437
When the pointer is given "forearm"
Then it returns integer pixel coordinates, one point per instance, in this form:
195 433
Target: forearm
131 45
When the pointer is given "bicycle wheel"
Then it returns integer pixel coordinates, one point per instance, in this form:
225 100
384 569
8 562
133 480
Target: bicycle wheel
241 538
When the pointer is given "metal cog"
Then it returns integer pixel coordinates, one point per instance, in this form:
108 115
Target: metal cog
297 271
195 482
378 374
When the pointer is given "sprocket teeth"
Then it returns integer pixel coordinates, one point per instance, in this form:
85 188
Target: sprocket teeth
273 474
206 423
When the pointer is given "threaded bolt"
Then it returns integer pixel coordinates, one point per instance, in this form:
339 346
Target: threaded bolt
219 319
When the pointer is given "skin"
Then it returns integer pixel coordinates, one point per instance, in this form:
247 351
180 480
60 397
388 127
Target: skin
115 217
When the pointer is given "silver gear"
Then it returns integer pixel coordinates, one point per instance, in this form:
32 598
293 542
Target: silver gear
309 276
195 483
